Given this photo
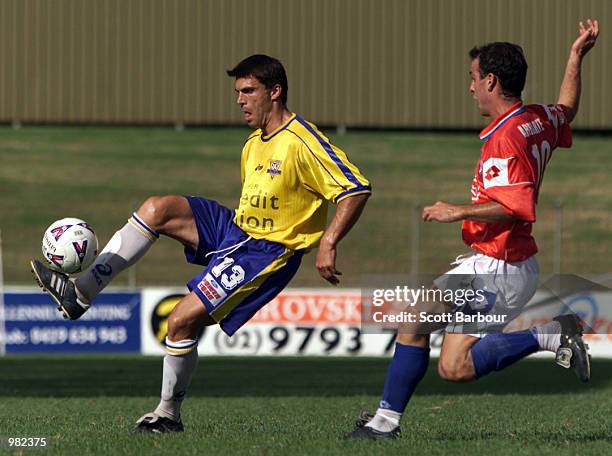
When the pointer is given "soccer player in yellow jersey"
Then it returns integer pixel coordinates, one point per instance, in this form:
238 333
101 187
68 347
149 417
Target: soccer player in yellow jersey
289 172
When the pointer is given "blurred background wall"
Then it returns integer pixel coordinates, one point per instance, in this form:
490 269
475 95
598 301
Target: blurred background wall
365 63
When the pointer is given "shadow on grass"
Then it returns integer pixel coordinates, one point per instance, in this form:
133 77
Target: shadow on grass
78 376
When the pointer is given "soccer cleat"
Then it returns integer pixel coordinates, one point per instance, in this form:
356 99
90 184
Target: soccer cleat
364 418
60 288
573 352
368 433
362 431
157 424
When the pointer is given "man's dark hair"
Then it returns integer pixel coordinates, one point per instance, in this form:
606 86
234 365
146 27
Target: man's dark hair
506 61
267 70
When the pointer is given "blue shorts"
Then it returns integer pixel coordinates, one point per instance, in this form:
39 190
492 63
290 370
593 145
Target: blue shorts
241 274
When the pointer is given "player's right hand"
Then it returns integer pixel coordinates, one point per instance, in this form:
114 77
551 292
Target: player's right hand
442 212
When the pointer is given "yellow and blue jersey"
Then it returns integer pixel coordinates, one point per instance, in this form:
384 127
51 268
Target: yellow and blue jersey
288 177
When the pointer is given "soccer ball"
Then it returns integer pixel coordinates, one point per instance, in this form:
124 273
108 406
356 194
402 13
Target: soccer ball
69 245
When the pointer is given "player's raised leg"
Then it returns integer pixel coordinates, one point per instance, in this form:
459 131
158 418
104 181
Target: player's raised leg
464 357
184 325
168 215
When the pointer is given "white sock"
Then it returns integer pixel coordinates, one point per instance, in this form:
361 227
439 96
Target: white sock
178 370
126 247
385 420
548 335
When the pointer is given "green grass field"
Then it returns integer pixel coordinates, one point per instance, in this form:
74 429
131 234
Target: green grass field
87 405
270 406
102 174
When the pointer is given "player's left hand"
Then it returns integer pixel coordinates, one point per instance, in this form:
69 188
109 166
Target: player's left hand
587 37
326 264
442 212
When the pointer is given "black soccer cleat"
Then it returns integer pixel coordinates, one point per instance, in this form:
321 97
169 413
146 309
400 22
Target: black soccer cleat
573 352
156 424
364 418
368 433
61 289
361 431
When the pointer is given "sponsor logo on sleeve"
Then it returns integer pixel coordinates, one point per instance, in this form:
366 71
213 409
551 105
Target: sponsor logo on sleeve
495 172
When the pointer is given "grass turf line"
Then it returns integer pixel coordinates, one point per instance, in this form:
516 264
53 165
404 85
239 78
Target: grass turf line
87 405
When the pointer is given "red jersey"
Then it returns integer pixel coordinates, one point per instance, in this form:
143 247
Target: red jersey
517 147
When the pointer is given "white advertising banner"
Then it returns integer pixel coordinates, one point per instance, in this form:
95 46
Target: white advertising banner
319 322
295 323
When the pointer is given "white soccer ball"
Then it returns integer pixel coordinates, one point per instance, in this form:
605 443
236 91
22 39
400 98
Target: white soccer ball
70 245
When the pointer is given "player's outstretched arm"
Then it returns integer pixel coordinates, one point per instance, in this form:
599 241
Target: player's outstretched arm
447 213
347 213
569 95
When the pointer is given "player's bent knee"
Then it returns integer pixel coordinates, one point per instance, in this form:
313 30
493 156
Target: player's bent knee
448 372
445 372
454 371
182 327
157 211
154 212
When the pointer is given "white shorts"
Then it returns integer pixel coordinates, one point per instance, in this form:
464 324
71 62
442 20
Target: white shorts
508 287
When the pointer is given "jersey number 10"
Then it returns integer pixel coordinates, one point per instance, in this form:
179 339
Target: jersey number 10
541 155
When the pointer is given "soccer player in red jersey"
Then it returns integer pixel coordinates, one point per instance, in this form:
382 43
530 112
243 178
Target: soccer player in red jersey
497 225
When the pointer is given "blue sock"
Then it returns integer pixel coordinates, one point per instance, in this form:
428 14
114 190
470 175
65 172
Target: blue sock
498 351
406 370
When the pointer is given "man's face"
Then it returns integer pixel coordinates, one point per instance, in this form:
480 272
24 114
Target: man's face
479 88
255 101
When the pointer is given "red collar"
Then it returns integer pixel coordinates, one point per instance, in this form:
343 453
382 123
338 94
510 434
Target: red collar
515 109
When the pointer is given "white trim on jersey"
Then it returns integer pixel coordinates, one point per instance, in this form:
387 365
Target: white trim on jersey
501 122
519 183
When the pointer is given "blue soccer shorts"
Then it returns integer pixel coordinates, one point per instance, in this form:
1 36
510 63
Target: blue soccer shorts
241 274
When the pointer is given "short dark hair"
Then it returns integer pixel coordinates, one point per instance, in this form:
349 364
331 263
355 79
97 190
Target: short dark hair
267 70
506 61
